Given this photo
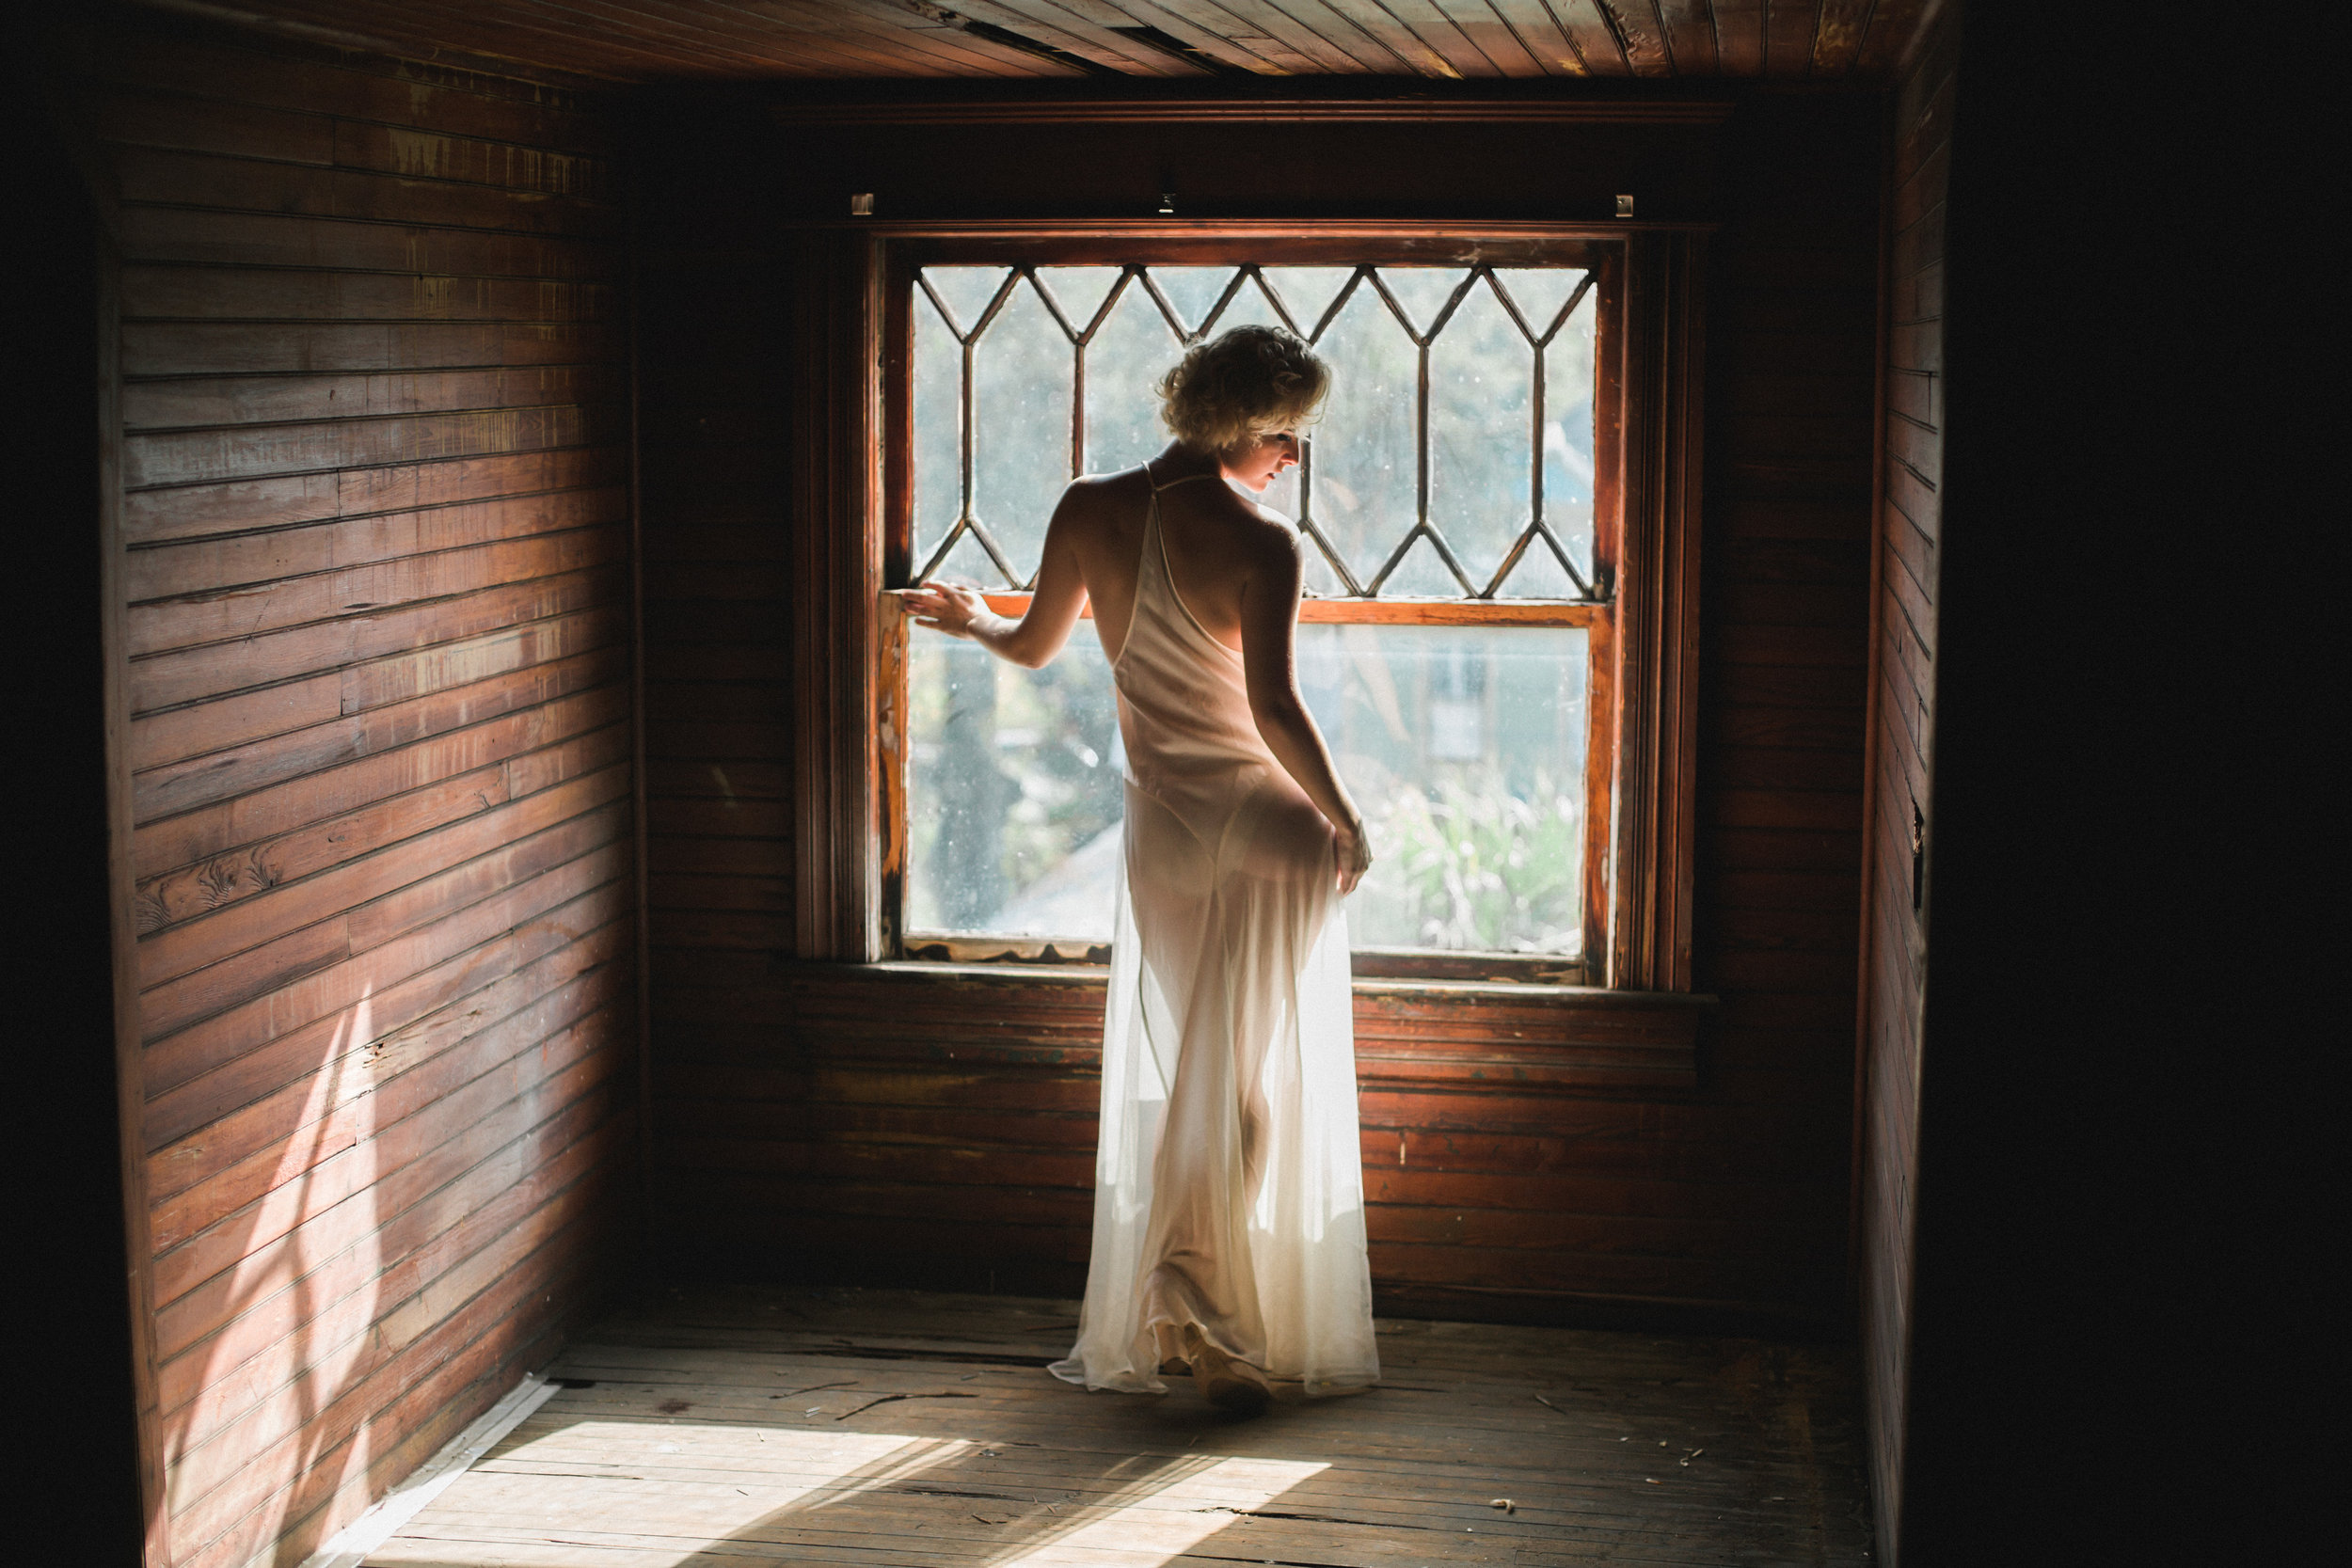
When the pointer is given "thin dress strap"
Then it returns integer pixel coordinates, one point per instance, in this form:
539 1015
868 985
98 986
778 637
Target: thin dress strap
1152 535
1153 553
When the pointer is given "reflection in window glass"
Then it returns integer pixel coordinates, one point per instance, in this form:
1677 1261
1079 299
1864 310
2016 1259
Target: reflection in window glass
1464 747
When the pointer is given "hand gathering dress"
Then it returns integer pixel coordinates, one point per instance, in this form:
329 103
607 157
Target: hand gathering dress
1229 1183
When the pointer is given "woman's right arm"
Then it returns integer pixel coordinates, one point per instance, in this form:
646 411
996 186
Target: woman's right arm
1269 652
1054 608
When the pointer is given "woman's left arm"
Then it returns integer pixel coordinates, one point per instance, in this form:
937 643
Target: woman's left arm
1269 653
1054 608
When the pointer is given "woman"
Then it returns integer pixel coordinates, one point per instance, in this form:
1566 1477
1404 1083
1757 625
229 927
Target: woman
1229 1228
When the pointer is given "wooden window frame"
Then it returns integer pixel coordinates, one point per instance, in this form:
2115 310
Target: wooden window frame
851 294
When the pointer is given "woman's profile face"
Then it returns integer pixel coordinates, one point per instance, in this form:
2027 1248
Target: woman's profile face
1255 463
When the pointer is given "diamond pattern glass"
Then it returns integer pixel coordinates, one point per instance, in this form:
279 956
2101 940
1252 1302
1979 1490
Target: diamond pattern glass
1455 459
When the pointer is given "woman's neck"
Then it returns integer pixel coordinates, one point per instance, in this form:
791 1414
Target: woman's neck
1178 461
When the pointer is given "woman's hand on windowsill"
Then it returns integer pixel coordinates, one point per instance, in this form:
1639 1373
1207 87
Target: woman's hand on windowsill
947 607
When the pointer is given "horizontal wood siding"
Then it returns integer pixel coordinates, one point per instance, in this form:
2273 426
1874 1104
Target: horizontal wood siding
1902 668
803 1135
1903 702
373 458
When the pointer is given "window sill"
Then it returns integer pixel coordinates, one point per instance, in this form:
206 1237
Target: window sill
1410 1035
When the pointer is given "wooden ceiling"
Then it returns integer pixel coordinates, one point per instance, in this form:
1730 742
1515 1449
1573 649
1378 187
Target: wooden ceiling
1855 41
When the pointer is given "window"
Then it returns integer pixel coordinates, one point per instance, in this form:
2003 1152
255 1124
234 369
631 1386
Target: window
1455 583
1501 639
1447 501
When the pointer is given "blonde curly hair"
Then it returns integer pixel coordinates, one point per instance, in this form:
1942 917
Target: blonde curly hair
1250 382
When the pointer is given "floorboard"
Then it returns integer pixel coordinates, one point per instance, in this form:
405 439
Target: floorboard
736 1426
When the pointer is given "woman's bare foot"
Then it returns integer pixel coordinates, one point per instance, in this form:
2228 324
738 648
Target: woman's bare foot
1230 1385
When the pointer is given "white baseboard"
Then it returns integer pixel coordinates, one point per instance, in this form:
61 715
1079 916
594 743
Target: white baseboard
351 1546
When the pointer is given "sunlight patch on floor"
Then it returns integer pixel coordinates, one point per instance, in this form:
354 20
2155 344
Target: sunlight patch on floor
587 1480
1163 1516
595 1484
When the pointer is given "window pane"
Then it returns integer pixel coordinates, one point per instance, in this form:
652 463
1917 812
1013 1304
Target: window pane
1465 749
1422 291
1308 292
968 290
1250 307
1079 291
1364 463
1539 293
938 402
1568 435
1322 582
1020 377
1539 576
1126 360
1194 291
1013 777
1482 370
1483 450
1422 574
969 564
1014 790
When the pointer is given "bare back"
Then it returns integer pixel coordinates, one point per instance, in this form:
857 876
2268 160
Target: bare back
1217 545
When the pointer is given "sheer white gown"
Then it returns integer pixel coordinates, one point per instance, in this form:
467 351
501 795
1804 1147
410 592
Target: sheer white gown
1228 1183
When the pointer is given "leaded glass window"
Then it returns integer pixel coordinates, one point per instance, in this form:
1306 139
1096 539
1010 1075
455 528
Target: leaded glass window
1455 579
1454 458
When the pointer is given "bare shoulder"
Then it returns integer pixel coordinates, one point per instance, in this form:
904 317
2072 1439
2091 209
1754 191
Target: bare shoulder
1104 486
1093 492
1092 500
1271 530
1269 541
1273 519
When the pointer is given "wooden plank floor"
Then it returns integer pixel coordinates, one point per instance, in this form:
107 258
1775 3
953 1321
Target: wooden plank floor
740 1426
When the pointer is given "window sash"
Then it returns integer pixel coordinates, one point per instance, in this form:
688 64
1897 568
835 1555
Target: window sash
1373 286
1586 967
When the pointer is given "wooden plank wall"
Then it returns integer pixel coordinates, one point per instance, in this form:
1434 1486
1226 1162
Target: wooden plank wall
801 1135
1909 529
715 373
1784 617
375 524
